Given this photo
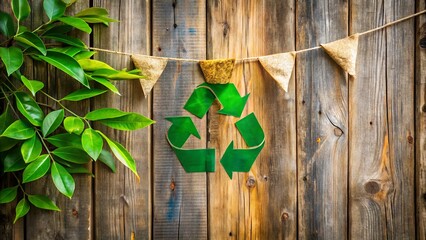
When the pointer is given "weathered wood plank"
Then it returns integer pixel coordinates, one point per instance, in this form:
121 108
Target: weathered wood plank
420 116
260 204
381 115
322 110
180 199
122 204
74 220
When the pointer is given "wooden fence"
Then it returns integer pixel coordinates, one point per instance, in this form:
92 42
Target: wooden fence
344 157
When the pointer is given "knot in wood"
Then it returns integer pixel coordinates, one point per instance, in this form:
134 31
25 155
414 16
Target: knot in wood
410 139
424 108
422 42
372 187
251 182
284 217
172 185
338 132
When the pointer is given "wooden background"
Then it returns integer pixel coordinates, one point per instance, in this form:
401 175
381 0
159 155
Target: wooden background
344 158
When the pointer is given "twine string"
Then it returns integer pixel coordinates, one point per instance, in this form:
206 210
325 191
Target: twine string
252 59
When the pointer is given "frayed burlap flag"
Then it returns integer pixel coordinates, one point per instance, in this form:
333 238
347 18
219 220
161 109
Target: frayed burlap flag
217 71
279 66
344 52
152 68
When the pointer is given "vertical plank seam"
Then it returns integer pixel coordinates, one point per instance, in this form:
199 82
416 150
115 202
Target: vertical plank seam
207 130
388 132
151 52
416 177
93 212
297 122
348 172
414 118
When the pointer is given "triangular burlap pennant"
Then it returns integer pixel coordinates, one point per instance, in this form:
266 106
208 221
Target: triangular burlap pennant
152 68
344 52
217 71
279 66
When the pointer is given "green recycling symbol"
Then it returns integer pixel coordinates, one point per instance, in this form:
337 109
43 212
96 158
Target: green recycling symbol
203 160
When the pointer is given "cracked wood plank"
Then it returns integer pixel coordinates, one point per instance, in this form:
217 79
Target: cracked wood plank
381 121
322 117
260 204
122 203
179 198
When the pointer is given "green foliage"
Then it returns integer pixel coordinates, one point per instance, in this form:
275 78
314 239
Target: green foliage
39 136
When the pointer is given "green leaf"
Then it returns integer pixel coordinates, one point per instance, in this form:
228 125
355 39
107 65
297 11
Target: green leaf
66 39
62 180
84 55
65 140
93 65
37 169
58 29
31 149
131 121
79 169
98 19
121 154
106 83
107 159
19 130
13 161
7 143
12 58
7 195
92 143
69 2
22 208
70 50
29 108
104 113
77 23
54 8
92 11
67 64
82 94
72 154
6 118
7 28
33 85
52 121
42 202
32 40
74 125
21 9
115 74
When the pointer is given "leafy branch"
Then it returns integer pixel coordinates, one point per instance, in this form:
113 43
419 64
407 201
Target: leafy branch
61 142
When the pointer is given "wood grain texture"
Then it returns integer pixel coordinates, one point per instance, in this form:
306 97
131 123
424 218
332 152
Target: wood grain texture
180 199
260 204
420 116
381 124
122 203
322 117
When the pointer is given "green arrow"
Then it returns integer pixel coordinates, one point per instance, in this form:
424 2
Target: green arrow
199 102
227 94
182 127
241 160
192 160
